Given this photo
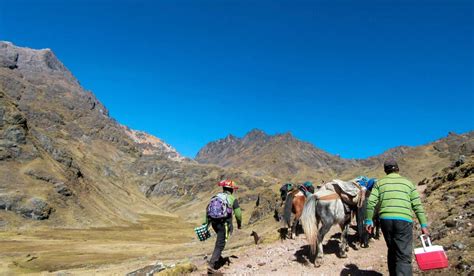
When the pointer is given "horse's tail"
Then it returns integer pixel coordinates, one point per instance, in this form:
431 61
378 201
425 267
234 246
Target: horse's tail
288 208
309 223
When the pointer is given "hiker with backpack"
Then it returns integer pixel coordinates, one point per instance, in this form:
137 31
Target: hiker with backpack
219 216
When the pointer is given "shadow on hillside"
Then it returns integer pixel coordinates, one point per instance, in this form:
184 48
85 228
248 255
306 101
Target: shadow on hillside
353 270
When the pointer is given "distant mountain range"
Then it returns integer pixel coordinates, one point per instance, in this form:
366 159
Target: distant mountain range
66 163
285 157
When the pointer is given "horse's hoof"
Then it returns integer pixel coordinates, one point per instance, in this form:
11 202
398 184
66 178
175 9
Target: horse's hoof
318 262
343 255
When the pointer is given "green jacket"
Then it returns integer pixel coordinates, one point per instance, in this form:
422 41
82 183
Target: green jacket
235 207
398 199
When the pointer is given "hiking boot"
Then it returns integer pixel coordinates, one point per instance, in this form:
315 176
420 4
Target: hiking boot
212 271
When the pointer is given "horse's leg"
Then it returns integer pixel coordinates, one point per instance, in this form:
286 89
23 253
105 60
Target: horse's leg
322 232
298 205
377 228
344 247
361 231
293 227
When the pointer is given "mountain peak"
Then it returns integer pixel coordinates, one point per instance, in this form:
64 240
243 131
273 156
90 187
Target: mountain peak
32 63
256 131
255 135
230 137
286 135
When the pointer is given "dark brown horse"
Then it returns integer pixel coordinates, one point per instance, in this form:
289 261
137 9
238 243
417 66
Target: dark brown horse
294 203
362 233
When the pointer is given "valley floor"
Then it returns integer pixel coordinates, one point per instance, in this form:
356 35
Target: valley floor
110 250
118 251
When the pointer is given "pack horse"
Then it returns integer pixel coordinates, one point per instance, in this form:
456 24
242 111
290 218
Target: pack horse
294 199
328 207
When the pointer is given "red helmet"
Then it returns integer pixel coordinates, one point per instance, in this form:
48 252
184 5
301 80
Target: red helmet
228 184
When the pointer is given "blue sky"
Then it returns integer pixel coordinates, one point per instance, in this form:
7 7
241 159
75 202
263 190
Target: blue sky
352 77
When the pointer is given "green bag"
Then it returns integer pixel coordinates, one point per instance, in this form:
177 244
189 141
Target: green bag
203 232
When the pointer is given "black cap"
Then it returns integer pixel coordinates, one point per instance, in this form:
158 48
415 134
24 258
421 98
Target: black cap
390 164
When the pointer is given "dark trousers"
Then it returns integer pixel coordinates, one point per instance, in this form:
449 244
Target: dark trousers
221 229
398 236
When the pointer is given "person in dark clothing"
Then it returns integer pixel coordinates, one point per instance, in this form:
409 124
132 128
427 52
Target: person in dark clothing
224 226
398 199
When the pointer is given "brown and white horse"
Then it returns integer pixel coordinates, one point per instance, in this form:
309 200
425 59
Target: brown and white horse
294 204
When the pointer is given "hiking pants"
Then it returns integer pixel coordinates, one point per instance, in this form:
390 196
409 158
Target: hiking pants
220 227
398 236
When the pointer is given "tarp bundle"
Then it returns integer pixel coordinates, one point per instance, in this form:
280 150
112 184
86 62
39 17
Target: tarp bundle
347 187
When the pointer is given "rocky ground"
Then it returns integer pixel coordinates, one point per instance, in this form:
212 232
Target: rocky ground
449 202
290 257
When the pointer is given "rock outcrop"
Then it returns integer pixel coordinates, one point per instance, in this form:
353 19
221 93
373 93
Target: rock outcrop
449 203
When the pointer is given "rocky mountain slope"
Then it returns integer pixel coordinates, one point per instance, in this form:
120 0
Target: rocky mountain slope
286 158
64 161
449 202
281 156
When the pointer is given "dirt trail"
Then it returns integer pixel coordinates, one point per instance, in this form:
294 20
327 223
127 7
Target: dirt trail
289 257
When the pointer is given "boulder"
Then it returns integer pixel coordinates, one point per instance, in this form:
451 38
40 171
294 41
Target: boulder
9 202
15 134
8 57
62 189
36 209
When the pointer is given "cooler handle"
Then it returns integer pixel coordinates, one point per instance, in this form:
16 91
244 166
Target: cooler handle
423 237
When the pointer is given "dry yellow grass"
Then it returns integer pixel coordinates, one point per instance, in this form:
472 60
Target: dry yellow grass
160 237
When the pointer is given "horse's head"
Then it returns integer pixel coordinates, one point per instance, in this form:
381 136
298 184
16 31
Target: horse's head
285 188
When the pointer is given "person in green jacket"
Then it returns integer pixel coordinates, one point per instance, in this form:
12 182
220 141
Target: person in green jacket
223 226
398 199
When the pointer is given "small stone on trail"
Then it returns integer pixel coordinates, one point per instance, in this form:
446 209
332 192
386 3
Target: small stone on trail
249 266
274 269
262 264
459 245
450 223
